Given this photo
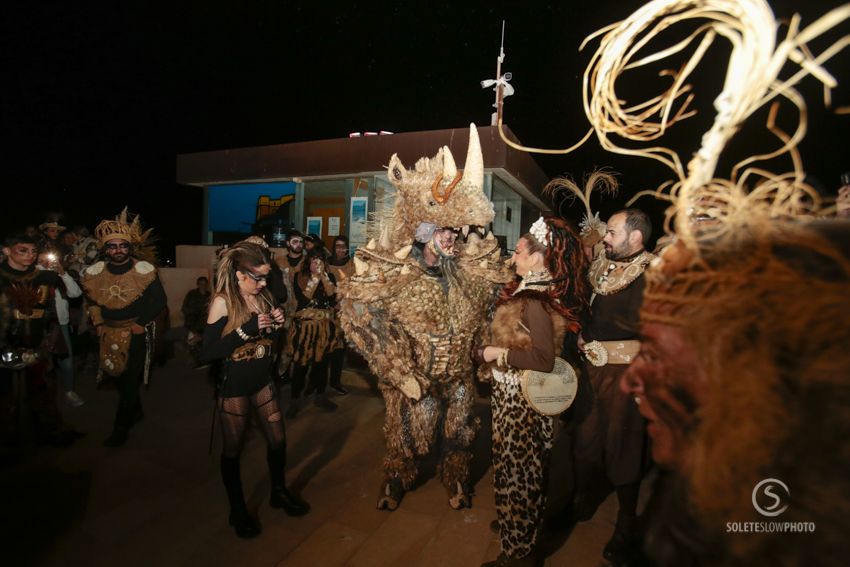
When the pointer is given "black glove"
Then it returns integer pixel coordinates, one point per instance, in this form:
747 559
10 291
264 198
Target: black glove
251 326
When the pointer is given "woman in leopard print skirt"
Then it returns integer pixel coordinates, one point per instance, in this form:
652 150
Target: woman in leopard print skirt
534 314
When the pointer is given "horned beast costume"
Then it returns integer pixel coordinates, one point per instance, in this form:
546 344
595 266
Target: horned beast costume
415 324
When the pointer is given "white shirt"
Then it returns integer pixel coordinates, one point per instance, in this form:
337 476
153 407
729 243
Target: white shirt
63 312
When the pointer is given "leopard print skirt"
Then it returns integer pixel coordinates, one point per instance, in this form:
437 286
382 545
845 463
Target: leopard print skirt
522 441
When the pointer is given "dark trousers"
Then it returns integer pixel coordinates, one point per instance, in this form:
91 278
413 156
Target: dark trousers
34 385
318 377
336 360
127 384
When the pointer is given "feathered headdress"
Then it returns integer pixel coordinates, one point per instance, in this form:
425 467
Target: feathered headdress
592 227
128 227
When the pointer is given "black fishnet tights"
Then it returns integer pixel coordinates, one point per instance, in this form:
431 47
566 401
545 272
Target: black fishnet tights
234 414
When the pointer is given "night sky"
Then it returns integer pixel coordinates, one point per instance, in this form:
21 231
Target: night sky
97 100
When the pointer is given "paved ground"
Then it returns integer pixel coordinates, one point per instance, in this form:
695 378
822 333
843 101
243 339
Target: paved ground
159 500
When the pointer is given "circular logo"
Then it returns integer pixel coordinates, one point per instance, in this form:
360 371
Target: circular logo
767 490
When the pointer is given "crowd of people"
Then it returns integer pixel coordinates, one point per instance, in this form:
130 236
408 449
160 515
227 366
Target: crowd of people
68 296
658 341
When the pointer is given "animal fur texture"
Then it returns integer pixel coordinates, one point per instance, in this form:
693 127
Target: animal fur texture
416 330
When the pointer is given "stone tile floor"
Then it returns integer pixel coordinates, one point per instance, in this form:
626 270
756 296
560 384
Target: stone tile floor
159 500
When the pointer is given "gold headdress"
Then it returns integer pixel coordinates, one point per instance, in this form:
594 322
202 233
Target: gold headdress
122 227
127 227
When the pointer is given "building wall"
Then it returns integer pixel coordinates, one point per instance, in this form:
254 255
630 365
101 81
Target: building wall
177 283
328 199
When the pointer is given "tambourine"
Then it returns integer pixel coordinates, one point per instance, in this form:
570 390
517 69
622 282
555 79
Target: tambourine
550 393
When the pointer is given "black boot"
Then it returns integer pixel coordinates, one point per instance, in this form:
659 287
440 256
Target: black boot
584 506
294 407
623 546
280 496
117 438
321 401
240 519
138 414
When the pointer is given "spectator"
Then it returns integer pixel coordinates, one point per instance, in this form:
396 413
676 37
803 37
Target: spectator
50 233
48 259
26 316
312 332
294 252
194 309
341 266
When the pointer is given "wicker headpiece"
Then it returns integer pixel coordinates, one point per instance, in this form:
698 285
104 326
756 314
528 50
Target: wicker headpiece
740 279
120 228
757 290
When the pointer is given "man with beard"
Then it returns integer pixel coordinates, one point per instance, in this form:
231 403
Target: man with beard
291 262
436 246
439 328
742 378
415 306
125 296
609 433
195 307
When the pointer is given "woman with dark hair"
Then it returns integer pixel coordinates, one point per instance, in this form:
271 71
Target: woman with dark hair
312 332
315 242
341 266
240 327
534 314
341 258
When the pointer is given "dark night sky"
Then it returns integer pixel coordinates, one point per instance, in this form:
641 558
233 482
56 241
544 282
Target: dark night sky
98 99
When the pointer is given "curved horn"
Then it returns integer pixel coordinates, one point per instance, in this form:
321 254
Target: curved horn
449 167
473 172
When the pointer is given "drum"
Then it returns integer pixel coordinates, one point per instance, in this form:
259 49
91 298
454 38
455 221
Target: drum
550 393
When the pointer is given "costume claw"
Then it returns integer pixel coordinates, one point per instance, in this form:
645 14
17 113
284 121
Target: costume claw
391 493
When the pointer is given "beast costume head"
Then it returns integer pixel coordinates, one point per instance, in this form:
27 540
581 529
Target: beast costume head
435 191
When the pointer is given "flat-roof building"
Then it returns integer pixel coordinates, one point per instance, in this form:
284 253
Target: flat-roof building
320 186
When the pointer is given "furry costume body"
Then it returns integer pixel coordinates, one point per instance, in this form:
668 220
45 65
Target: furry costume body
416 325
